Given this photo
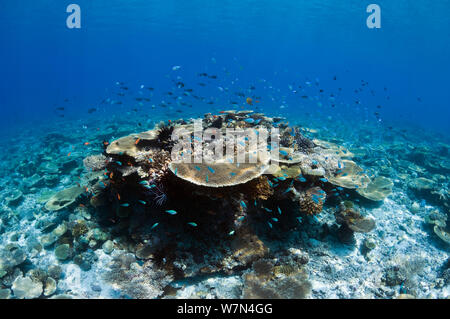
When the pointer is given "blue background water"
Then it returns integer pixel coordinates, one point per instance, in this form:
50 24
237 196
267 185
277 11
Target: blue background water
42 62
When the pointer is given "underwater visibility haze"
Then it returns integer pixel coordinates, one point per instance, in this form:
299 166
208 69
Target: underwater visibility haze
350 200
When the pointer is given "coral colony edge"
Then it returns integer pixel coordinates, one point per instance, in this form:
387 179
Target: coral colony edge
256 150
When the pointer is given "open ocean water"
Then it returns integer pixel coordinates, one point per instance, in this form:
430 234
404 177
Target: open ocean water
357 207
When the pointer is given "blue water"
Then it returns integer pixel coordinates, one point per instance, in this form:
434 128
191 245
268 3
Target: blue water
284 43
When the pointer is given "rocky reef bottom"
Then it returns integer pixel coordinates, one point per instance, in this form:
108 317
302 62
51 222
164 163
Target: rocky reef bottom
59 240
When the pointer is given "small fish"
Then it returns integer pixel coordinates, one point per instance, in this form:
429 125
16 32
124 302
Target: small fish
270 225
243 204
249 101
211 170
87 143
240 218
125 205
69 153
250 120
281 178
206 178
154 225
197 168
192 224
137 141
267 209
323 179
279 210
176 67
142 202
119 163
284 153
299 219
143 182
231 233
232 174
275 219
171 212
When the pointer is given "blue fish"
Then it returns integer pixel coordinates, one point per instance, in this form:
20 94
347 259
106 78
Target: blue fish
302 179
232 174
154 225
323 179
231 233
270 225
125 205
197 168
243 204
281 178
249 120
119 163
284 153
176 171
279 210
211 170
275 219
206 178
299 219
142 202
267 209
171 212
240 218
192 224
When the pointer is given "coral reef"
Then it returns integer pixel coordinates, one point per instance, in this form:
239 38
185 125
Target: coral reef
124 220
